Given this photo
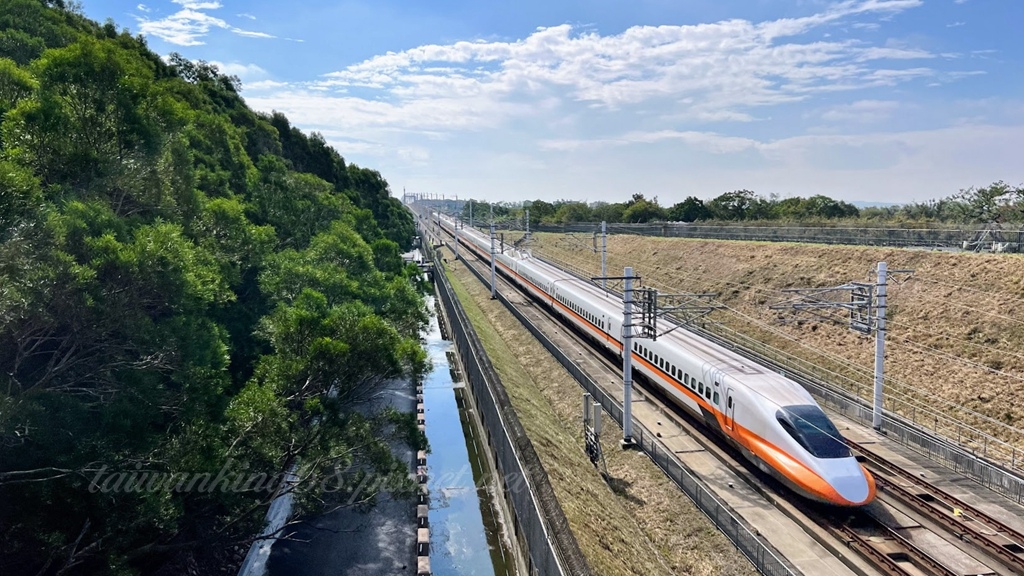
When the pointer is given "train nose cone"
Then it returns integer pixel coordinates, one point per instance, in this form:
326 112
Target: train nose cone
857 486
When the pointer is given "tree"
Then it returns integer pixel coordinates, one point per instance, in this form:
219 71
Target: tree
605 212
183 287
570 212
732 205
689 210
642 210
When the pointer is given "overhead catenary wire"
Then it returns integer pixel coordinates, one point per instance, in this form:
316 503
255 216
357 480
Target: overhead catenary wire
895 385
893 323
909 400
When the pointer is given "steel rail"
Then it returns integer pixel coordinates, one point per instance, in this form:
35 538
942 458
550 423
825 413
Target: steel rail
961 518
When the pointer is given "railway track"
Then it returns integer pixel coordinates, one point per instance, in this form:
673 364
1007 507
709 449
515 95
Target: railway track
966 523
889 550
885 547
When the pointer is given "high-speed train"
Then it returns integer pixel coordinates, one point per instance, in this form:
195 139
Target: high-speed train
772 420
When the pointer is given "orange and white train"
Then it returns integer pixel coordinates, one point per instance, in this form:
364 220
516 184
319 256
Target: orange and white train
774 422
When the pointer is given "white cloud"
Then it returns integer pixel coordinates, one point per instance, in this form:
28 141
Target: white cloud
566 109
245 72
729 67
706 141
956 24
862 112
142 8
194 5
188 26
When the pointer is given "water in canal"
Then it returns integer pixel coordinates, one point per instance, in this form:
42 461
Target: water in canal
464 532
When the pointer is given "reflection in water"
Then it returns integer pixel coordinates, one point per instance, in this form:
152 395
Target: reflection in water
464 534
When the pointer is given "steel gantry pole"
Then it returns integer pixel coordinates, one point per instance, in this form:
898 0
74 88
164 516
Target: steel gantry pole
627 358
604 254
876 418
493 288
456 241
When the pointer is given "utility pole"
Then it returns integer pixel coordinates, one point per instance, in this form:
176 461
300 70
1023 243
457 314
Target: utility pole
876 417
604 254
470 212
493 285
627 358
866 307
646 328
526 206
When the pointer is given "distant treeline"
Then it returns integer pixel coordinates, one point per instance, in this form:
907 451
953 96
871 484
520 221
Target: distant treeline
998 202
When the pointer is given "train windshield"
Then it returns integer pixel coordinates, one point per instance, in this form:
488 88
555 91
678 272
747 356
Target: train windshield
809 426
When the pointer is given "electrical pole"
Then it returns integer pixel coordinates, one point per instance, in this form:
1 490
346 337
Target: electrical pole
470 212
876 417
866 307
646 328
627 358
456 242
493 286
604 254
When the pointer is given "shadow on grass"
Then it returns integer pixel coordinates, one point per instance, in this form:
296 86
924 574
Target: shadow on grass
621 488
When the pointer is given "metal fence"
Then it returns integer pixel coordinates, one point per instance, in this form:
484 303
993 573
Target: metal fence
760 553
538 523
1010 240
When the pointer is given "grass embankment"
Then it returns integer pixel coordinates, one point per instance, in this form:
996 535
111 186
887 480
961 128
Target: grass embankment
956 330
648 526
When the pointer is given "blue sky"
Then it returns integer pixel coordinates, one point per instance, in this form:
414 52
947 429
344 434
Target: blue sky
875 100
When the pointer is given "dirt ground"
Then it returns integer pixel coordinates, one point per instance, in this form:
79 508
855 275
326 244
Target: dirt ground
956 327
647 526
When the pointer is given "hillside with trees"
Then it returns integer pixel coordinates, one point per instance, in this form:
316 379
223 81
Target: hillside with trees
187 287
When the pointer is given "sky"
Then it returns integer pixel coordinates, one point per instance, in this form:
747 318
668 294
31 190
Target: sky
861 100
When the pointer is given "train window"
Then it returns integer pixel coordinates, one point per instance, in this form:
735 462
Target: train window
707 392
716 399
730 402
686 379
700 389
672 370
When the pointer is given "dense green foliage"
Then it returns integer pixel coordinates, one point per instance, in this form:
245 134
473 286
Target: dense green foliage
186 287
996 203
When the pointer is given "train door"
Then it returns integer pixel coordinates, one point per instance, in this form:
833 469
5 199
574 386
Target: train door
730 409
